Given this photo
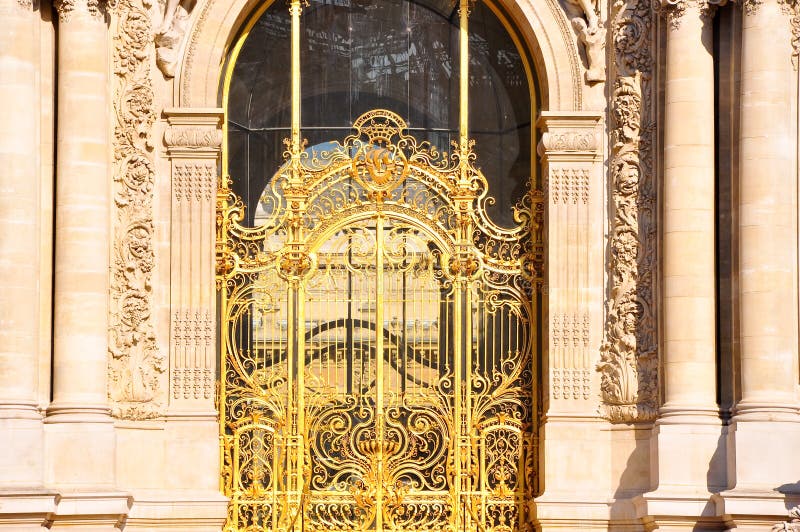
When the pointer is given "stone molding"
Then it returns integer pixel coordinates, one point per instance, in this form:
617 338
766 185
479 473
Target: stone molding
569 186
191 131
193 341
192 138
629 354
106 510
137 365
193 141
569 137
27 510
194 181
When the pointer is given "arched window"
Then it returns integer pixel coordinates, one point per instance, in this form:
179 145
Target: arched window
399 55
377 322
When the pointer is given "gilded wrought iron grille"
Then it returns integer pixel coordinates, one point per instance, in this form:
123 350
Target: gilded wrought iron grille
377 339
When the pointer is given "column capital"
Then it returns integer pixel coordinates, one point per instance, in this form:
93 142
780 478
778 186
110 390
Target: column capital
788 7
193 132
93 8
789 12
674 10
571 136
16 5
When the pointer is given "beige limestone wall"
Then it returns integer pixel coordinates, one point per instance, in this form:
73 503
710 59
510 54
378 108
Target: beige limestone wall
20 123
162 472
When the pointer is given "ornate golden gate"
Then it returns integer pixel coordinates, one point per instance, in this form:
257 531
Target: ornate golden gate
377 340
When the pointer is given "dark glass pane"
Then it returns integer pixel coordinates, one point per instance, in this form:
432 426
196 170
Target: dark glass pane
360 55
433 66
379 58
253 159
237 157
260 91
499 111
401 55
259 106
325 48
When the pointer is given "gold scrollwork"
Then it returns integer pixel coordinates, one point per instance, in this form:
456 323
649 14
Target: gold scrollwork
377 343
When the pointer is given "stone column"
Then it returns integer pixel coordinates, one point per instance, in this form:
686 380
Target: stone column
689 306
80 430
82 214
765 430
685 461
21 433
767 215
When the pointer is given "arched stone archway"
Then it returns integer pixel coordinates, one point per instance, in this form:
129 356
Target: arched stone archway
551 41
572 212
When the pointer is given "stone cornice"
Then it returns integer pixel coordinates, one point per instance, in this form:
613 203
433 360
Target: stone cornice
571 135
193 130
66 9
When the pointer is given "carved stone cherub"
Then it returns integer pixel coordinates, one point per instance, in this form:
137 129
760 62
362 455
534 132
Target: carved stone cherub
592 35
589 10
170 34
594 42
169 16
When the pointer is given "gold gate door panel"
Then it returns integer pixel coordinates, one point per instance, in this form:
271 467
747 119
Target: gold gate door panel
377 344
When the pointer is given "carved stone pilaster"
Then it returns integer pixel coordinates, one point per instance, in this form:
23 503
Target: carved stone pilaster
137 366
571 154
629 354
67 9
193 141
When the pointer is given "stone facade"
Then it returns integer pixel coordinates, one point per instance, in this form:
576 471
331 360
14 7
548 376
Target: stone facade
669 348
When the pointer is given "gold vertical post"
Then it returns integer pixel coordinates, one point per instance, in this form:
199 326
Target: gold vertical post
295 8
379 406
296 358
463 76
461 298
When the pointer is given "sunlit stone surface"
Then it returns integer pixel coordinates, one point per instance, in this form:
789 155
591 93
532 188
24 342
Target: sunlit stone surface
648 313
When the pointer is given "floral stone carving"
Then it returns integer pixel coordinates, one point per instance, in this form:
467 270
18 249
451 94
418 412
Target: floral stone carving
137 366
629 354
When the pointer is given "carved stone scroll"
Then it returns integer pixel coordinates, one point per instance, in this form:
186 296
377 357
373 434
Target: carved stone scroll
137 366
629 356
193 140
573 173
